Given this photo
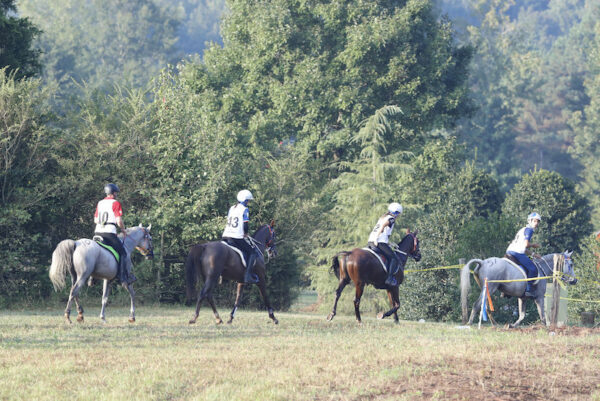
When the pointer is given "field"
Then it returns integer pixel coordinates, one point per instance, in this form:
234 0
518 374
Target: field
162 357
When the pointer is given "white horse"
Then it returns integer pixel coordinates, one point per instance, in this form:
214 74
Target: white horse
85 258
502 269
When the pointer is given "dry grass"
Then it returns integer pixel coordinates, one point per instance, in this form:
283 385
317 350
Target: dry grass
161 357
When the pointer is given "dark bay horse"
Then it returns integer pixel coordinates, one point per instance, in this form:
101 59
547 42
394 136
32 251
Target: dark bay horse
362 267
216 259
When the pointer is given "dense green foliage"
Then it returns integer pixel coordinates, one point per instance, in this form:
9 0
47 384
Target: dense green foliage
326 111
18 34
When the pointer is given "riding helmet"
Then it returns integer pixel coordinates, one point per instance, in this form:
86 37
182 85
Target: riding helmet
110 189
395 208
244 195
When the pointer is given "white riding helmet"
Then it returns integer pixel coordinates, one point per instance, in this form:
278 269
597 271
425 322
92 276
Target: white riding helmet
244 195
395 208
534 216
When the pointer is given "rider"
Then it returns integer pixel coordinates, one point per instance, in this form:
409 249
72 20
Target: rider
236 232
379 238
518 249
109 216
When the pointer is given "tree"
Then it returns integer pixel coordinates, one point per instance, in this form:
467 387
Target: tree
565 213
18 35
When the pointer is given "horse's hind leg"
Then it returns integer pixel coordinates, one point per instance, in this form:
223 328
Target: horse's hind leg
73 295
105 293
238 296
539 302
395 302
211 302
129 287
263 292
475 310
338 293
208 284
360 287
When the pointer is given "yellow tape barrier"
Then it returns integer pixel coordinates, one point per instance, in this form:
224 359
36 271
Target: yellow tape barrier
432 268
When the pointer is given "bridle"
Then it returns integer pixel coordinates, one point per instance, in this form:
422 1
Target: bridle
144 251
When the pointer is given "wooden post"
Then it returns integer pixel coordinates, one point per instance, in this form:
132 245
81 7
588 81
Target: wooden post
558 261
465 308
161 265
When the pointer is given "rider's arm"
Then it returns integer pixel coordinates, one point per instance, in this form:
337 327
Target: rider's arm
121 225
384 225
529 245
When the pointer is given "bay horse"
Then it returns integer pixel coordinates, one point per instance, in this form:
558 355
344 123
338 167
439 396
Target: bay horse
362 267
216 259
502 269
84 258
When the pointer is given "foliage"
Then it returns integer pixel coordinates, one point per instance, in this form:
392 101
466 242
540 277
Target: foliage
587 269
18 35
564 212
26 143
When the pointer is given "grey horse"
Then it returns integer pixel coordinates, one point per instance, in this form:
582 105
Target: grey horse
84 258
502 269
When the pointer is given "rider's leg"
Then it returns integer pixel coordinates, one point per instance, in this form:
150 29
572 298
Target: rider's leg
250 277
531 272
393 263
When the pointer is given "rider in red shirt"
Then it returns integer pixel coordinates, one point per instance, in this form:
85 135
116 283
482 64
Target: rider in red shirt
109 216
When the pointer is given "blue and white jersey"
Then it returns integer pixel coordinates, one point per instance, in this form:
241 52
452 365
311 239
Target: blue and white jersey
387 231
518 244
237 216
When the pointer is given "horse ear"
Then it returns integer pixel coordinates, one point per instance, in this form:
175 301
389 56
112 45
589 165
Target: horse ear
408 231
272 223
141 226
149 227
416 231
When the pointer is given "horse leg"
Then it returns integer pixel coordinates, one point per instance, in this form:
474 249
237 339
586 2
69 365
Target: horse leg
359 291
211 302
539 302
395 302
338 293
263 293
208 284
521 313
475 310
105 293
73 296
129 287
238 296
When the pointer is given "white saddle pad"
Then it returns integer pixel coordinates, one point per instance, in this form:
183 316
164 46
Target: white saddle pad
378 258
520 268
238 252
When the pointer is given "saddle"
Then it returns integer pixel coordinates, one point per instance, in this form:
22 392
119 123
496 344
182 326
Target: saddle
379 255
516 263
100 241
239 252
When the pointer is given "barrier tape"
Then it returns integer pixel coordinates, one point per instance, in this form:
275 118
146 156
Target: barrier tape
432 268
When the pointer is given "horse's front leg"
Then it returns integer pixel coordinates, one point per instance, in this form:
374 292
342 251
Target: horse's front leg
521 313
395 302
238 296
129 287
539 302
263 292
342 284
360 287
105 293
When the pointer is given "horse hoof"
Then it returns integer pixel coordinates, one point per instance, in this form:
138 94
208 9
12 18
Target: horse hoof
192 321
103 320
275 321
131 320
330 317
230 321
380 315
219 321
80 318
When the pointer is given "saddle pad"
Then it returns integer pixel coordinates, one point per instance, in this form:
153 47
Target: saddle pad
520 268
378 257
111 249
238 251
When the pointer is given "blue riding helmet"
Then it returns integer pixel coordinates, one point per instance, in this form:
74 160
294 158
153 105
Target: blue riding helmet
535 216
110 189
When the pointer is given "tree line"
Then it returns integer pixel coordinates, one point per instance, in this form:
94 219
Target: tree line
325 111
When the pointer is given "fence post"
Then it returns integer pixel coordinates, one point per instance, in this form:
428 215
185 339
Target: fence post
465 309
555 292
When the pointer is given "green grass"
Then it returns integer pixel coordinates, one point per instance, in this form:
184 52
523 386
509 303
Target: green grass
162 357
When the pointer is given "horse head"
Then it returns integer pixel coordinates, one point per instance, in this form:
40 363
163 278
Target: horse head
266 237
144 245
569 276
410 245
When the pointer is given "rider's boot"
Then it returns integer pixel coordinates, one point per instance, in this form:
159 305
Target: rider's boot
123 276
391 280
249 277
529 290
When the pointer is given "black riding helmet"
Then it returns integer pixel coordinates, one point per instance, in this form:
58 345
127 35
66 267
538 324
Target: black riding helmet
111 188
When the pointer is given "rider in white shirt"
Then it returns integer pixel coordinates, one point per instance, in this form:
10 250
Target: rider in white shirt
518 249
380 236
236 232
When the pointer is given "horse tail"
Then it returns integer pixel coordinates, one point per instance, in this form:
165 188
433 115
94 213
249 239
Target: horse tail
465 286
62 262
338 263
191 275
